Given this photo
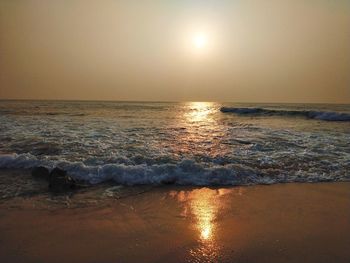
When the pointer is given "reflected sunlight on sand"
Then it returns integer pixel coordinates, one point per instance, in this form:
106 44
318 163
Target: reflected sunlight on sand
203 206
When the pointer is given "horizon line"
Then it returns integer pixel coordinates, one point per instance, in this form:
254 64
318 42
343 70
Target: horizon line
169 101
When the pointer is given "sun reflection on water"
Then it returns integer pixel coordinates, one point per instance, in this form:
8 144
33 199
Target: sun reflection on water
198 126
199 111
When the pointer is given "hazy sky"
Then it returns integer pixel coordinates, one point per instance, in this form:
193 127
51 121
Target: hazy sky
253 51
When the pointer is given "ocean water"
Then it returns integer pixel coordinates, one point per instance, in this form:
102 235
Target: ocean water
185 143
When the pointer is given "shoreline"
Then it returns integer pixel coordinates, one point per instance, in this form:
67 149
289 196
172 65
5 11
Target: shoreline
25 174
293 222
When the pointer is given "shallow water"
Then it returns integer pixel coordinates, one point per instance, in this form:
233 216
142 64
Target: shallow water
189 143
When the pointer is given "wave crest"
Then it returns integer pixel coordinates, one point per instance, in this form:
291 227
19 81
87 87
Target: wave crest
185 172
318 115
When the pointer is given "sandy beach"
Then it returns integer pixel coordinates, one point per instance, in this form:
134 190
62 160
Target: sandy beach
274 223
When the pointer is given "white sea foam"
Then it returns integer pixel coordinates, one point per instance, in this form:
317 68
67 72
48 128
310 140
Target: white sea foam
186 172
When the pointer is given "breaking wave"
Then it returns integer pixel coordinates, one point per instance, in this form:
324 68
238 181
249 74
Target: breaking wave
185 172
318 115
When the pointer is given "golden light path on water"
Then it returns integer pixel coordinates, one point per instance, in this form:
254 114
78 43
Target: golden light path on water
202 205
196 131
201 130
199 111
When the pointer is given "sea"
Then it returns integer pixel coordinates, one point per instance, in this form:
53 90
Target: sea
181 143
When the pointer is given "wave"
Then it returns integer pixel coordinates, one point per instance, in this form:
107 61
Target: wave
185 172
318 115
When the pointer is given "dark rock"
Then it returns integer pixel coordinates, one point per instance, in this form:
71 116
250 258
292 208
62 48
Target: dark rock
60 181
58 172
168 181
41 172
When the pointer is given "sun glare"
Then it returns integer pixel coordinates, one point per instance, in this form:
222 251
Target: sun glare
200 40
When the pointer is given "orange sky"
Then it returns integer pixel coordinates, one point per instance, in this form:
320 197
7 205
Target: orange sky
257 51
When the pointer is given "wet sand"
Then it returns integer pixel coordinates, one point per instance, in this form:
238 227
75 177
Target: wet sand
276 223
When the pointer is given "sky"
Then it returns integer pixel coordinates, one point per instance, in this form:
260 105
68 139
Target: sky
238 51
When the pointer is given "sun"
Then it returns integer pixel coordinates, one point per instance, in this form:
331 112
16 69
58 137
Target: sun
200 41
